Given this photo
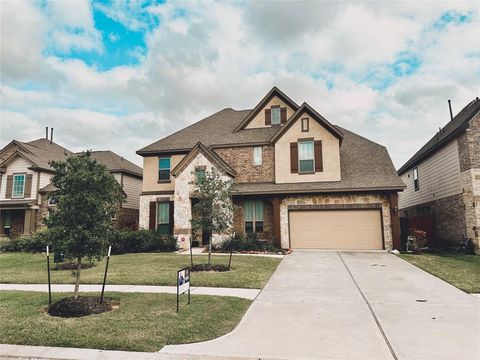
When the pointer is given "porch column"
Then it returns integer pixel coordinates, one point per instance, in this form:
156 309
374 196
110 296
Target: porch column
395 221
27 221
276 200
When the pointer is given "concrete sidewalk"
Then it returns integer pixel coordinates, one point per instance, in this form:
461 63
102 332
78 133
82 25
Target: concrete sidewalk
249 294
57 353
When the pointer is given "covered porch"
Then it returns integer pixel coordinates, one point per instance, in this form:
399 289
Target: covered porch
17 217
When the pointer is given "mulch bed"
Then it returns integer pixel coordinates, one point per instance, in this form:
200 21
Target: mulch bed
206 267
72 266
82 306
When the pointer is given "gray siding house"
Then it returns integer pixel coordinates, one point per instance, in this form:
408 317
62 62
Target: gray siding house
443 182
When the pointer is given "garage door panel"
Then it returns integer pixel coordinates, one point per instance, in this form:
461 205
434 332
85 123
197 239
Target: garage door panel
336 229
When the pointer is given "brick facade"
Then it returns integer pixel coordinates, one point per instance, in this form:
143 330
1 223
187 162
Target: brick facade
126 218
241 159
239 220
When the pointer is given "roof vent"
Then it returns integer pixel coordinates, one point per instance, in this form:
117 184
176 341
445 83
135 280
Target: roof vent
46 132
450 107
51 135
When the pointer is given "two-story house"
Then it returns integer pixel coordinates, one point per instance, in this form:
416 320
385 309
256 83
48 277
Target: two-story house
25 184
299 181
443 181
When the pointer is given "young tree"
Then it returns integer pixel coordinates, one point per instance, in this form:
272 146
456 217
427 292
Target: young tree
87 197
214 208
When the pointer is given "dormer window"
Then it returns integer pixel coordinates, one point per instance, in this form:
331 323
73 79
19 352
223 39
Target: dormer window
276 116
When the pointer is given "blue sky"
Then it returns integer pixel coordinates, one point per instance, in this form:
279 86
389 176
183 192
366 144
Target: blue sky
120 75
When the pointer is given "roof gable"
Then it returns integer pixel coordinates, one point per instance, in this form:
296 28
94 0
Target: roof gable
209 154
275 92
305 108
455 127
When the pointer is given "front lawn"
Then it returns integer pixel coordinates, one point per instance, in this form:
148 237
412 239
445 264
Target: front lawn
142 269
143 322
462 271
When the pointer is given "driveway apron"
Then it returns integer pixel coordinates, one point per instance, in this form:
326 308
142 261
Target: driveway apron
310 309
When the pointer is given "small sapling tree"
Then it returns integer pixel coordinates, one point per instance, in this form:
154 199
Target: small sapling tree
214 208
87 197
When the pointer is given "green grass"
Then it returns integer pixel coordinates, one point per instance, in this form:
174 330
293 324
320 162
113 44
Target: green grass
462 271
142 269
143 322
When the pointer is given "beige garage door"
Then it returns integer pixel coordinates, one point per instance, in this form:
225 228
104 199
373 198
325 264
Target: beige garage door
336 229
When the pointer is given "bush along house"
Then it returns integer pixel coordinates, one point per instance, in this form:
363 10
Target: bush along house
26 191
299 181
443 183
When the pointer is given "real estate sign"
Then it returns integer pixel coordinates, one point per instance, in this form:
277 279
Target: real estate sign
183 283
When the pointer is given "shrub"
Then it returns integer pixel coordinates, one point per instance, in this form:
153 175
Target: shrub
34 243
245 243
134 241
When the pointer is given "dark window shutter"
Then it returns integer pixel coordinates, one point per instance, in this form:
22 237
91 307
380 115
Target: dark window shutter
8 192
283 115
170 220
318 156
268 117
28 185
294 158
153 215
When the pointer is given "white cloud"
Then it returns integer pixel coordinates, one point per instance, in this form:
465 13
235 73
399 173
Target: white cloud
206 56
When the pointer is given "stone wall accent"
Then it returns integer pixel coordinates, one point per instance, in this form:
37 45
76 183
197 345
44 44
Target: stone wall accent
241 160
448 218
469 146
144 210
42 212
336 199
471 200
9 151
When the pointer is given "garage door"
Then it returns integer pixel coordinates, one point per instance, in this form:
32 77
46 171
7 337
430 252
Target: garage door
336 229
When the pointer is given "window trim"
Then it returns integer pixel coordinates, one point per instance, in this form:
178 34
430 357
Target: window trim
305 121
312 141
13 185
416 181
157 223
254 221
276 107
159 181
261 156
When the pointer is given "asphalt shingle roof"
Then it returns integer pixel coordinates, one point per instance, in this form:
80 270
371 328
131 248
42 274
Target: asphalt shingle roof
448 132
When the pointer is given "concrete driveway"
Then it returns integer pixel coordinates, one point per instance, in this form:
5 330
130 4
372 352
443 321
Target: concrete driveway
352 305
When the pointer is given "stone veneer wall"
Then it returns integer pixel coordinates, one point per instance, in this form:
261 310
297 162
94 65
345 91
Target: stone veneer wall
336 199
144 210
469 153
241 159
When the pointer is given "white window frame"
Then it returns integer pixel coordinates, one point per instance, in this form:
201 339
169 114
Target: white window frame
300 157
416 181
13 186
257 155
276 110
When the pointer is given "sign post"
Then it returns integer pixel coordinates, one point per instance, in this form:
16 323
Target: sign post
105 276
49 285
183 283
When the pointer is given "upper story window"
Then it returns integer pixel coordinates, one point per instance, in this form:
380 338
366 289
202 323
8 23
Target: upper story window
306 158
276 116
416 183
164 169
18 189
257 155
253 213
199 174
305 125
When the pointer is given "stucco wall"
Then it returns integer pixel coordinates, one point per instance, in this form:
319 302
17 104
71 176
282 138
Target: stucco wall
259 120
150 173
346 199
330 153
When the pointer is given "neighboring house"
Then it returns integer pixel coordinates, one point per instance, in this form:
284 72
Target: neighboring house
299 181
443 181
25 184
